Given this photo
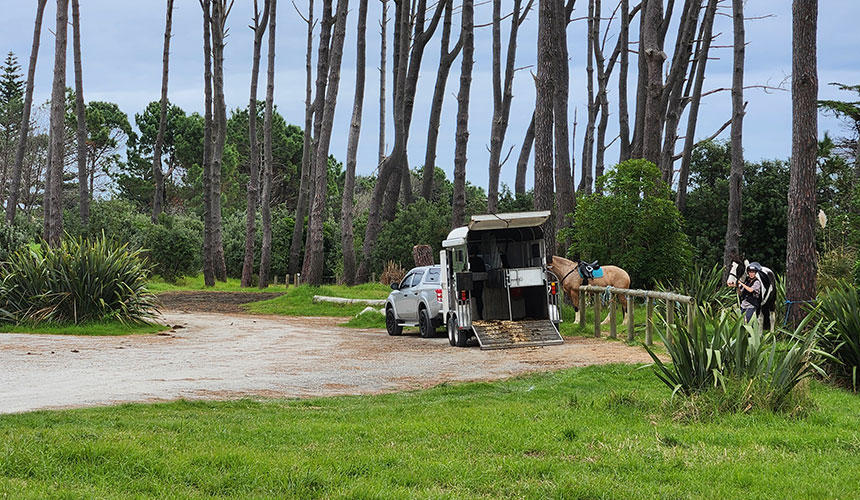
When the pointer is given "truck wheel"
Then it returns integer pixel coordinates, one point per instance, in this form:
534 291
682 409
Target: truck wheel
391 323
425 325
452 327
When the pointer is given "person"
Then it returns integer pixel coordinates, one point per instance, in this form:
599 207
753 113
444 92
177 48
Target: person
750 290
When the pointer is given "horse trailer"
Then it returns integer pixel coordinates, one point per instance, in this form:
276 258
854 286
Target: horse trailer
496 285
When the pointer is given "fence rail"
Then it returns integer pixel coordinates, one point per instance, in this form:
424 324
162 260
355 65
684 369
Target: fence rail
630 294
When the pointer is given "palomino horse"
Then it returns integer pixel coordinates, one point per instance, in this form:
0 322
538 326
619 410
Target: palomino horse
570 279
768 290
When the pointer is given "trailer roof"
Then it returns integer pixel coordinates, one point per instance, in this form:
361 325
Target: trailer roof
495 221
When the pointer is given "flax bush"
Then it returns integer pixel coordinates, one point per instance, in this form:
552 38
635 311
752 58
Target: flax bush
720 350
841 306
77 282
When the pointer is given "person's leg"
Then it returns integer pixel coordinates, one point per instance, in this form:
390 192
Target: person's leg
748 313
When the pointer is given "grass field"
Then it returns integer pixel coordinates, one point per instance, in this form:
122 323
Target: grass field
195 283
597 432
298 301
106 328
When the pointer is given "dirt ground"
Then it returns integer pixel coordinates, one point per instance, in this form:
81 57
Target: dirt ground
222 356
220 302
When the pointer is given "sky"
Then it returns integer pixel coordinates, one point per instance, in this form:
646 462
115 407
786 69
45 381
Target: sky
122 57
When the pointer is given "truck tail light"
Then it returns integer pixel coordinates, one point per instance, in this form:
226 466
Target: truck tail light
553 288
439 295
463 296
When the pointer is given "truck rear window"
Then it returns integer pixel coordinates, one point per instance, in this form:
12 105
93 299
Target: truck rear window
433 275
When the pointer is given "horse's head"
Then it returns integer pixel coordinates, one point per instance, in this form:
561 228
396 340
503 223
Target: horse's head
735 270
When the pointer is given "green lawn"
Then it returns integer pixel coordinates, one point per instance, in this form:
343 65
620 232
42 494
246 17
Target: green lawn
195 283
298 301
597 432
106 328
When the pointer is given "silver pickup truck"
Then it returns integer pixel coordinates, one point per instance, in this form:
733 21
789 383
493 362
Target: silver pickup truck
415 301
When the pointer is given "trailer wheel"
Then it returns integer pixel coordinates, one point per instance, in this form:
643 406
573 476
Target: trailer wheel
456 336
425 324
391 323
461 337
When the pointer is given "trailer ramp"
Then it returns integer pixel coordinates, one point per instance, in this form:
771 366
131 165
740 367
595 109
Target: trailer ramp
503 334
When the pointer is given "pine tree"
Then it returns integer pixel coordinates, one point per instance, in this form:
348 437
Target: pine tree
11 105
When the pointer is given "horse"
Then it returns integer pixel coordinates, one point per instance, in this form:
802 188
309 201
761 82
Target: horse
768 290
570 280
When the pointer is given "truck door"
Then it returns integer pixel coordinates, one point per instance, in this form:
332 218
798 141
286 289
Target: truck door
408 307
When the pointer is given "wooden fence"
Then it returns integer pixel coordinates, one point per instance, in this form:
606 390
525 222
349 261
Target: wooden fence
630 295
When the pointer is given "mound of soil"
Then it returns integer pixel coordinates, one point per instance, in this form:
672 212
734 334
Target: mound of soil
220 302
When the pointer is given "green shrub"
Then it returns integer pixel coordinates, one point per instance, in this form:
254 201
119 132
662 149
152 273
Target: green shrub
283 223
174 246
834 266
117 219
717 350
703 284
841 306
76 282
635 225
422 223
857 271
12 239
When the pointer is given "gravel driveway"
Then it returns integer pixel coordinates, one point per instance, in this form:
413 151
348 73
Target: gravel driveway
223 356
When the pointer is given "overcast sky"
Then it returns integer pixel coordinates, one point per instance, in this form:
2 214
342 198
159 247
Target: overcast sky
122 48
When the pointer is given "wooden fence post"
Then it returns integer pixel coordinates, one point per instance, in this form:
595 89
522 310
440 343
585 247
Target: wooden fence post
670 313
613 328
691 316
630 305
582 309
597 304
649 321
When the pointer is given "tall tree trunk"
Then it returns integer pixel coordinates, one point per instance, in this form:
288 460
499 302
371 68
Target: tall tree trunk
523 159
673 97
587 179
641 88
46 193
502 94
623 113
462 133
312 269
565 198
58 109
693 115
157 175
383 25
259 29
446 59
544 92
347 239
323 60
307 149
15 181
801 261
208 254
265 202
219 30
406 71
326 24
654 56
81 114
736 178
